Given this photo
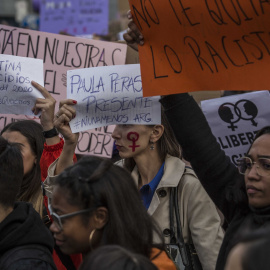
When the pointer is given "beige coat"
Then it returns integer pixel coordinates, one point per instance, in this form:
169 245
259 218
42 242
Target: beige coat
198 213
49 182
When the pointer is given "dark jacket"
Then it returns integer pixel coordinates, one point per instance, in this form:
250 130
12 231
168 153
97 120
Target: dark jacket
215 170
22 227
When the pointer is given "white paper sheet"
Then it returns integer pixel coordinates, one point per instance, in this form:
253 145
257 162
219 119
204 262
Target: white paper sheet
110 95
235 120
17 95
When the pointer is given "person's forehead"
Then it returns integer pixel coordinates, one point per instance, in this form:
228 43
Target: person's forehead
60 202
14 137
261 146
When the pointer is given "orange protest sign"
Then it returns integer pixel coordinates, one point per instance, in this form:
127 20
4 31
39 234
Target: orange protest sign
203 45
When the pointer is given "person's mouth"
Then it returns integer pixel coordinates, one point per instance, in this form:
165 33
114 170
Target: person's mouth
118 147
251 189
59 242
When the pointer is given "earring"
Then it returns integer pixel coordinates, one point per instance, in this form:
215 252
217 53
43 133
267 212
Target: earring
152 147
91 237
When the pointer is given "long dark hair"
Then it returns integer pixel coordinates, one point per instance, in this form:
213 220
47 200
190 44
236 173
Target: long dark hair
167 144
11 172
255 244
33 133
114 257
95 182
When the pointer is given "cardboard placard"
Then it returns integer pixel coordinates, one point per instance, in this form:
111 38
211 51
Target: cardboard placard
203 45
59 54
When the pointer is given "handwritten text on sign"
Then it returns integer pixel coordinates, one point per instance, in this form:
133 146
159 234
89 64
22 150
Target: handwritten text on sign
97 142
69 16
110 95
60 53
235 120
17 95
203 45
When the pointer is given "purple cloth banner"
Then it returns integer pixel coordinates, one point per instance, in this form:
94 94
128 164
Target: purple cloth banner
75 17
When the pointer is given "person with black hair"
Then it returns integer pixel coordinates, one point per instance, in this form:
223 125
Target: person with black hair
28 134
33 137
114 257
242 195
156 152
25 242
251 253
40 146
244 201
96 203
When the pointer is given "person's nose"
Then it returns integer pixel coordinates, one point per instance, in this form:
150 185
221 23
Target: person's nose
253 173
116 132
54 228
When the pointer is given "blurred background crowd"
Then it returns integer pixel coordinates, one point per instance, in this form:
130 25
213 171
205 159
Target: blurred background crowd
26 14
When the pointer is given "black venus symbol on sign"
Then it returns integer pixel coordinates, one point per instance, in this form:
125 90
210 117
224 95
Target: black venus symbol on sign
227 114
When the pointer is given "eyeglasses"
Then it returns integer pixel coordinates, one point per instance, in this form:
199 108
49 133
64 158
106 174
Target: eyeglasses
262 166
57 219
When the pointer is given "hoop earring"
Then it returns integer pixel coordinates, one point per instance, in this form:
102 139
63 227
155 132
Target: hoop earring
91 237
152 147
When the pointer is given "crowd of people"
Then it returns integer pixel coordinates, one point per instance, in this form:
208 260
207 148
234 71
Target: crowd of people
60 213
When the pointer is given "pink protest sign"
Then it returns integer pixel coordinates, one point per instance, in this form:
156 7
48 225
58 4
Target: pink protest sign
59 54
94 142
97 142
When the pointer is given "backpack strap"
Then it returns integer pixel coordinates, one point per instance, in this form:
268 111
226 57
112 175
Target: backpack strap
35 252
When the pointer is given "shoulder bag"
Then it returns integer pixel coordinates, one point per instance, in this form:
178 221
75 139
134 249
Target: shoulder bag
183 254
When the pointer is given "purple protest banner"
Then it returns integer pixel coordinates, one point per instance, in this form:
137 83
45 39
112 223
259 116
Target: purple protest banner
75 17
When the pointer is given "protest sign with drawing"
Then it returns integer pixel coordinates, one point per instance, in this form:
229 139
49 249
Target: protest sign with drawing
203 45
110 95
234 120
17 95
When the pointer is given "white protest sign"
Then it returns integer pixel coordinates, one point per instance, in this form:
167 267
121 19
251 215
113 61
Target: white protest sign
17 95
110 95
234 120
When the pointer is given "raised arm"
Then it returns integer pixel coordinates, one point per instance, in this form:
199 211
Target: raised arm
53 144
61 121
214 169
46 106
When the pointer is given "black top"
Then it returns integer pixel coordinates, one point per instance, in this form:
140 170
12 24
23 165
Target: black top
215 170
24 227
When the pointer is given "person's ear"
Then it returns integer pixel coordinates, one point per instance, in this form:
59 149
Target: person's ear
157 132
101 217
